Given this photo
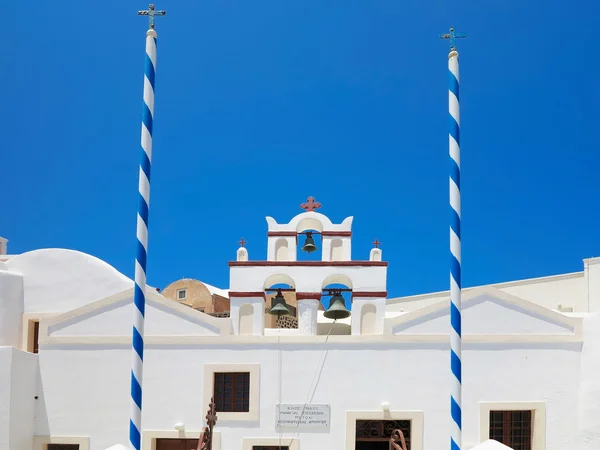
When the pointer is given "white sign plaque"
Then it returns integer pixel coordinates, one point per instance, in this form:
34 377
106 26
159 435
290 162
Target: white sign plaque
303 416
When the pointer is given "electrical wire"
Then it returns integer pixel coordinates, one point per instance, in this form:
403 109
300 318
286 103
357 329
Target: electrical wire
315 382
280 379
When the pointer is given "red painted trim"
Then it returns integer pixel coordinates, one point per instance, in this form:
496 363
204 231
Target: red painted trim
281 233
308 263
246 294
361 294
337 233
308 295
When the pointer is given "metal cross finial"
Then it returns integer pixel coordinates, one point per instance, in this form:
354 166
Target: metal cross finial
376 243
310 204
151 12
242 242
452 36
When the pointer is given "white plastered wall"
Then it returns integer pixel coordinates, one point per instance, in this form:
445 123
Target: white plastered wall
309 278
578 291
544 372
59 280
589 395
341 253
492 313
308 311
18 386
592 280
110 318
368 315
239 321
11 308
275 245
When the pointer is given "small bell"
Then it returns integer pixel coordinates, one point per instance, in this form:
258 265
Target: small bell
309 243
337 307
278 305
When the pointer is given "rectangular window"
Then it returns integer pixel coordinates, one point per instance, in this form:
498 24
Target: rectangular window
376 434
512 428
33 336
62 447
232 391
181 294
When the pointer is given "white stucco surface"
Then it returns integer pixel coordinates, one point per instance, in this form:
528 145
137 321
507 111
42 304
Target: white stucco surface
18 387
59 280
491 444
589 409
570 290
309 278
22 405
11 308
310 220
115 320
486 315
549 292
118 447
5 376
545 374
239 321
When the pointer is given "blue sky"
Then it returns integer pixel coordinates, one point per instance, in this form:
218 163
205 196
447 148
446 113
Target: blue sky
261 104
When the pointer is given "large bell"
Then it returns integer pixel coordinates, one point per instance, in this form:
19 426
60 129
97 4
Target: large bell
309 243
278 305
337 308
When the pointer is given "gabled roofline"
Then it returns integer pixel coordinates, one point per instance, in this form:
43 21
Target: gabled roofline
152 297
504 284
575 323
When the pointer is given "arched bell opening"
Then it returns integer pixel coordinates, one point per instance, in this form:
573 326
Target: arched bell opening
337 301
309 246
281 307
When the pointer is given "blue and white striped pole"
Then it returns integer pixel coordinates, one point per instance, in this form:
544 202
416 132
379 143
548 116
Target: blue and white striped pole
455 258
139 300
455 245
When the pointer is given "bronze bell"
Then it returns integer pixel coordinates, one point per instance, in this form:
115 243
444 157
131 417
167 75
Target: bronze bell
309 243
278 305
337 307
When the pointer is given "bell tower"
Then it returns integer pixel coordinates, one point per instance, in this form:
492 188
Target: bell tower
308 282
283 238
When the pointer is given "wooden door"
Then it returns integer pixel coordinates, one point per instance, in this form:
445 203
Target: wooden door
176 444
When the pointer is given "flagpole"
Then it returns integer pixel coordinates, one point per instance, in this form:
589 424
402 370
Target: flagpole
455 244
139 300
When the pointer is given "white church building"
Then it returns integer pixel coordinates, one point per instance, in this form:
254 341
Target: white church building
531 356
